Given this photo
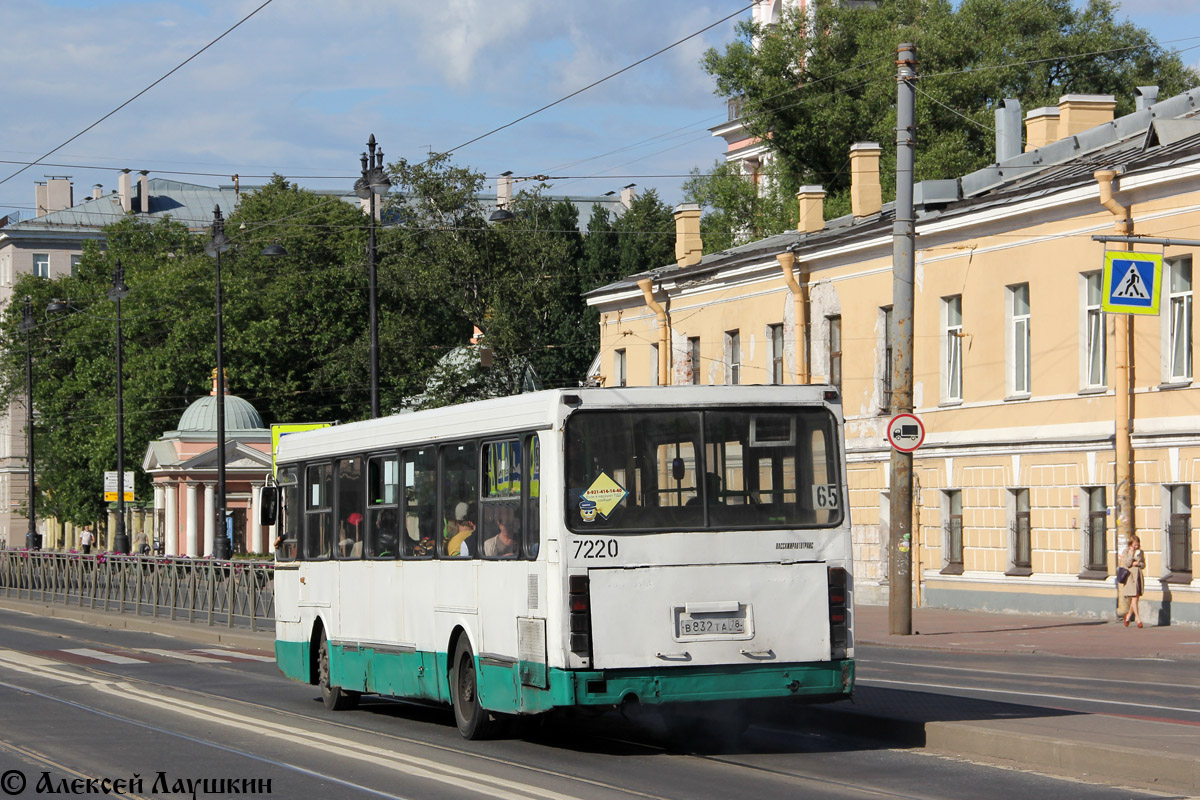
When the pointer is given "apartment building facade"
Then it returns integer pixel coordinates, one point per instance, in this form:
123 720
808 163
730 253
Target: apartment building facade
1016 375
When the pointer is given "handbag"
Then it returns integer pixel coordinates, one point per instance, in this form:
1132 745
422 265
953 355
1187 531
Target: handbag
1122 574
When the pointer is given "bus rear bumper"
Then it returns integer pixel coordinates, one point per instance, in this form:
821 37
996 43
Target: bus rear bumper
829 680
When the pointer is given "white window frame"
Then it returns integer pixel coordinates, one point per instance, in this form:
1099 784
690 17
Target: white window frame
1093 502
694 358
1093 333
620 374
952 336
733 357
1020 348
1178 321
778 354
1018 503
1177 500
951 501
653 365
42 259
886 343
836 342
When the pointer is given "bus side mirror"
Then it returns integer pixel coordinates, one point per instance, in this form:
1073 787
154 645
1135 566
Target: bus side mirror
269 505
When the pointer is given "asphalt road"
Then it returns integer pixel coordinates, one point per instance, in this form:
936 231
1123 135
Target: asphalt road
78 702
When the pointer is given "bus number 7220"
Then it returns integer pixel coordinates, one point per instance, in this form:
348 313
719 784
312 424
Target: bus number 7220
596 548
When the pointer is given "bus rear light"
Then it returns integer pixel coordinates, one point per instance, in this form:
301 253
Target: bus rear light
579 605
838 618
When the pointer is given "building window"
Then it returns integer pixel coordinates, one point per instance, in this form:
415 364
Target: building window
654 365
776 332
619 375
41 265
835 351
694 359
952 306
1094 372
952 532
75 259
1019 340
1179 532
733 357
1179 311
1019 528
1095 554
885 389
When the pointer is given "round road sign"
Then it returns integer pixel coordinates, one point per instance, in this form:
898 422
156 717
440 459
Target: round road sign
905 432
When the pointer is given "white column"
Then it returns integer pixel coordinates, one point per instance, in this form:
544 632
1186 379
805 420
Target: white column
256 539
159 512
210 519
193 518
171 519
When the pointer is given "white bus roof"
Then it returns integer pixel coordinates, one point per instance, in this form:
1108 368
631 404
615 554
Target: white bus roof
524 412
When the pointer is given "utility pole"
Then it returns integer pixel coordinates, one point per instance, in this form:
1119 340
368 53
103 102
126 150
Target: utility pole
901 540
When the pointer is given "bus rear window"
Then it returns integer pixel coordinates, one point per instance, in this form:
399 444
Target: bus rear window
695 470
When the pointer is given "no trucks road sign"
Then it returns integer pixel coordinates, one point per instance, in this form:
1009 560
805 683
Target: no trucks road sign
905 432
1132 283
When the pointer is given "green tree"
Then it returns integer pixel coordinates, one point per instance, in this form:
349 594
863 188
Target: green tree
814 85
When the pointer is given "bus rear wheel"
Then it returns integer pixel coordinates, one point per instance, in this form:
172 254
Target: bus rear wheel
473 720
335 698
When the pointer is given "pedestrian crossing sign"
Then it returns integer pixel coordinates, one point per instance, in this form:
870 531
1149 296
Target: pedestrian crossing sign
1132 283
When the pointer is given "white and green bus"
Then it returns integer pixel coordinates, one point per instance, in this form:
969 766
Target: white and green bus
588 547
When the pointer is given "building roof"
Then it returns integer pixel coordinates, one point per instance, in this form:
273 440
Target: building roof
199 420
1161 135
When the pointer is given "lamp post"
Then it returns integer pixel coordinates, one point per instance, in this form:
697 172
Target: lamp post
26 327
116 294
217 244
373 183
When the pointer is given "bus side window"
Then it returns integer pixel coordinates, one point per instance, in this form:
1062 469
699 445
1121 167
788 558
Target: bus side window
420 522
460 498
318 484
350 508
383 490
289 517
503 473
533 518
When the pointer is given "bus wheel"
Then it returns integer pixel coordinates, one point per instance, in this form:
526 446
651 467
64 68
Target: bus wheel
335 698
474 722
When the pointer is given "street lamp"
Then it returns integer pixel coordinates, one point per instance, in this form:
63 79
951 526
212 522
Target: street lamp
219 243
26 327
374 182
117 293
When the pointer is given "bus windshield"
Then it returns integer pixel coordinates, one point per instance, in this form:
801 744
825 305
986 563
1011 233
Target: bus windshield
644 471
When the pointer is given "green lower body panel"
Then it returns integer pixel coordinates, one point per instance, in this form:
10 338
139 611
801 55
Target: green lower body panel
501 688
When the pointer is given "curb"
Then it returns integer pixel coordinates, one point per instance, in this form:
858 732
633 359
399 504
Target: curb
263 641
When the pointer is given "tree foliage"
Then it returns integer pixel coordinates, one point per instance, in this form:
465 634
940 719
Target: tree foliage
815 84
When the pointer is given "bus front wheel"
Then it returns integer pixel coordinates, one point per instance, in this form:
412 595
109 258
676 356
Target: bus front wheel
335 698
473 720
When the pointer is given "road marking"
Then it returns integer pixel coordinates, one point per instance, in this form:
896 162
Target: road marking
16 661
100 655
413 766
182 656
1025 693
235 654
1024 675
28 659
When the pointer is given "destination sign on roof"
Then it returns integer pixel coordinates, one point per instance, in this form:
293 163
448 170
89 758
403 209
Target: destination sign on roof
1132 283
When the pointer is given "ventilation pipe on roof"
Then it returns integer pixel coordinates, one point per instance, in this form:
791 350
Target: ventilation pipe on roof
1041 127
664 339
866 195
1145 96
1008 130
800 304
97 191
688 247
1079 112
144 191
504 186
628 194
812 209
40 201
1123 361
123 191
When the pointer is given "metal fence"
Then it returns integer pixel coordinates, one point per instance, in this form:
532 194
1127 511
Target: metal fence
200 590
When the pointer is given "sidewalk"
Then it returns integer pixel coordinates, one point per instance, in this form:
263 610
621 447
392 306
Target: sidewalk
1124 749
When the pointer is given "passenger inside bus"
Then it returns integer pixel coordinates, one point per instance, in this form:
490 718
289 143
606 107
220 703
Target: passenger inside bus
505 541
712 487
459 532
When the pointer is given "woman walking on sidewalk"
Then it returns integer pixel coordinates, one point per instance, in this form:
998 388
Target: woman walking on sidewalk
1134 560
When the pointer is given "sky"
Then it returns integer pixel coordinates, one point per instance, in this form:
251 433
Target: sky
297 88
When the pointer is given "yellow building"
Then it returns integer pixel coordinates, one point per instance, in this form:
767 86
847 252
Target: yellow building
1018 373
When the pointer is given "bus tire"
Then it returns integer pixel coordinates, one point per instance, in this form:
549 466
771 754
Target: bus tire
473 720
335 698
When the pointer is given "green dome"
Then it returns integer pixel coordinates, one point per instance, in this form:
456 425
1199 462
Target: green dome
239 415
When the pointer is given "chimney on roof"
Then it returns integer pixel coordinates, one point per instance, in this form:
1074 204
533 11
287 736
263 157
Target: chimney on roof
1008 130
504 186
144 191
1078 112
628 195
40 201
1041 127
97 191
866 195
812 209
123 191
53 194
1145 96
688 247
